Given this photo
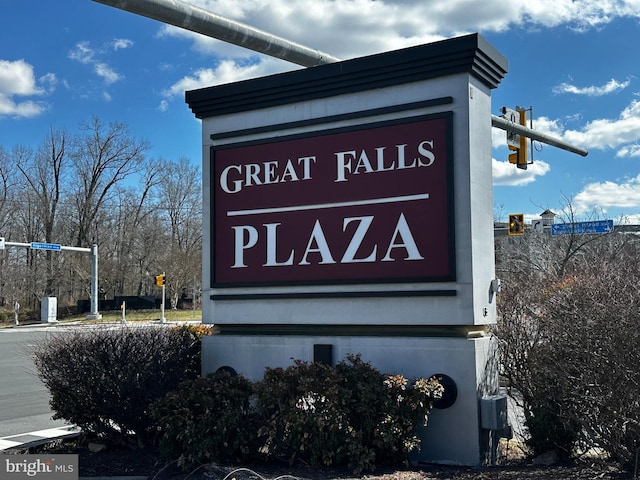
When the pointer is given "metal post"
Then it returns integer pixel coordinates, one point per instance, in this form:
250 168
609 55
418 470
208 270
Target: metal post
94 315
510 126
190 17
162 319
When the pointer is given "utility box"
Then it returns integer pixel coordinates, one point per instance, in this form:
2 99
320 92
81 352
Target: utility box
48 310
493 412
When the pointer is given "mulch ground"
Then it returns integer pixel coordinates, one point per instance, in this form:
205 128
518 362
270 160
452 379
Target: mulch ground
150 464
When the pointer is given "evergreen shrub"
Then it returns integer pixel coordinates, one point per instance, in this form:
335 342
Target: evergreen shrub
104 379
208 420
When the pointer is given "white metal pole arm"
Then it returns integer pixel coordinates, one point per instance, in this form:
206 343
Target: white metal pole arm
509 126
94 314
196 19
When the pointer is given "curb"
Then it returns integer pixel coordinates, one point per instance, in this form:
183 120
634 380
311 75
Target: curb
40 437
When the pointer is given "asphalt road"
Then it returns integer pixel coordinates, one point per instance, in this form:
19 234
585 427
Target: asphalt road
24 400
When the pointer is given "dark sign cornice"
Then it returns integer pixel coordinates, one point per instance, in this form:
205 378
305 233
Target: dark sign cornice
467 54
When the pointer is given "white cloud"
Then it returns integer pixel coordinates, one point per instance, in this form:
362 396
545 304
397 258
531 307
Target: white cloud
82 53
49 82
87 55
630 219
349 28
608 194
507 174
105 72
227 71
17 79
21 109
498 138
352 28
610 133
629 151
548 126
611 86
121 43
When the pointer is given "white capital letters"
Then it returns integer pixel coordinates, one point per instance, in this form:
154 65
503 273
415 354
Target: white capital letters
272 249
317 236
344 164
306 166
356 240
409 244
427 153
240 245
401 158
224 184
380 156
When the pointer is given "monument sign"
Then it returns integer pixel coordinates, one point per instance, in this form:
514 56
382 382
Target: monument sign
348 209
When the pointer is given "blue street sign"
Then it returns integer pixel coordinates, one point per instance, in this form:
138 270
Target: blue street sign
44 246
582 228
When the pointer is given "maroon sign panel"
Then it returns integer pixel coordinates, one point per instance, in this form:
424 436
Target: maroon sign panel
367 204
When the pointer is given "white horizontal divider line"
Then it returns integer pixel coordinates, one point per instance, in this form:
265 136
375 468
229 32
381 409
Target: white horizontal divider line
320 206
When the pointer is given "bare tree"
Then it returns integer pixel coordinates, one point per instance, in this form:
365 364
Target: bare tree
6 184
568 329
182 201
102 157
137 231
42 176
97 186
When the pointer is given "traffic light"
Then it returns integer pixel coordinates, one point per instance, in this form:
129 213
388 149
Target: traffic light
160 280
516 224
520 156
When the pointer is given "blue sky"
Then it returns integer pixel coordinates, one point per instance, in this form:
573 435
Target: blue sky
575 62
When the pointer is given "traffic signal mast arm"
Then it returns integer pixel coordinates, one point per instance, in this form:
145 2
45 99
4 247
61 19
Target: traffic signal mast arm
190 17
509 126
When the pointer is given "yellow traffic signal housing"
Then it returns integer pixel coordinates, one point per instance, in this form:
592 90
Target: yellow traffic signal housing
520 156
516 224
160 280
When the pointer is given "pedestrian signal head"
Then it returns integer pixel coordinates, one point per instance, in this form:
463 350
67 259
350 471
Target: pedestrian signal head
516 224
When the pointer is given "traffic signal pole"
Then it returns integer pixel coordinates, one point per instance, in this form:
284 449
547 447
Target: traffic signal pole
162 318
510 126
160 282
184 15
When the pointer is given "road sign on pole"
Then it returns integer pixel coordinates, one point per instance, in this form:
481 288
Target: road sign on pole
94 315
45 246
582 228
